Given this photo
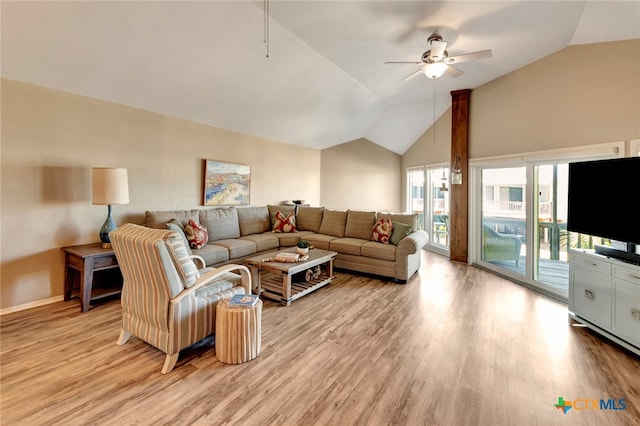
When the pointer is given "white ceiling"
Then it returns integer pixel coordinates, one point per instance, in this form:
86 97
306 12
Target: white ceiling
324 82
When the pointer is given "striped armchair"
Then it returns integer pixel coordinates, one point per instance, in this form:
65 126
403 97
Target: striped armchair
166 300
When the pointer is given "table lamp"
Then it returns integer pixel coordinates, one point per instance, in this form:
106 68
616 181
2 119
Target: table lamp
110 186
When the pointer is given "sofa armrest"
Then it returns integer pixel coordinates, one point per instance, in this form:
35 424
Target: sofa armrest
413 242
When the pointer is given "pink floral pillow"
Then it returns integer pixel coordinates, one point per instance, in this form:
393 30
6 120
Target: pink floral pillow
382 231
196 234
284 224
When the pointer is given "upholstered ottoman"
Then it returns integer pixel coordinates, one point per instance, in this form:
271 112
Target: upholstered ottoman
238 332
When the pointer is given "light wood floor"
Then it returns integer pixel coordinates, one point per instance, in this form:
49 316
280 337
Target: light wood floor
454 346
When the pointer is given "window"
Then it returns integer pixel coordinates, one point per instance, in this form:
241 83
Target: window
415 192
438 213
428 196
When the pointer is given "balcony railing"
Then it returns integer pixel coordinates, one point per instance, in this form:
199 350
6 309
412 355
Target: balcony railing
515 209
503 208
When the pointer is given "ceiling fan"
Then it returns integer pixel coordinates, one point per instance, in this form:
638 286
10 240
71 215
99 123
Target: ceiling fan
437 60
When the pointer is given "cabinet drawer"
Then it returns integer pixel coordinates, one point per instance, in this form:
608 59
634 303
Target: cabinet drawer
105 262
626 308
591 296
591 262
631 275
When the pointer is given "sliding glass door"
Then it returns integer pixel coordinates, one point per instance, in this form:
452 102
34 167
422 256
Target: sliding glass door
522 229
503 218
551 267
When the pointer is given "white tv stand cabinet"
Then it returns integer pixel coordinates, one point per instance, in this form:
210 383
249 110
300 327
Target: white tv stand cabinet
604 295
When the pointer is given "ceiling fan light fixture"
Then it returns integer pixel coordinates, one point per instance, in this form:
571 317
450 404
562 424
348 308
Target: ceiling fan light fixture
434 70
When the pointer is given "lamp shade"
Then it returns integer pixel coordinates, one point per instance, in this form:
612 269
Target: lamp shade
435 70
110 186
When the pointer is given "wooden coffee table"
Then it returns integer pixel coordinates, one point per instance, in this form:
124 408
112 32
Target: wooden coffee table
275 280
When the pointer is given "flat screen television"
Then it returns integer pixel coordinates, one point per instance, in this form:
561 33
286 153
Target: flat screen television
603 200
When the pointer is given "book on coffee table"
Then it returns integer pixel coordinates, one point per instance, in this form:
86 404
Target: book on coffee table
244 300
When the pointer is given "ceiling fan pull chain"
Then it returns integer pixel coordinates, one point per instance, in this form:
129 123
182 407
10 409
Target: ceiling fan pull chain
266 24
434 116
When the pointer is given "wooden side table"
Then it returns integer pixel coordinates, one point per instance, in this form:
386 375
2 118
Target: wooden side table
238 332
83 261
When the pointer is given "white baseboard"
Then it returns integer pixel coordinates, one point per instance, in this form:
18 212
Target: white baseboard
31 305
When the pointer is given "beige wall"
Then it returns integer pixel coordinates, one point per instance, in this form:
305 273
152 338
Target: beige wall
361 175
430 150
50 142
581 95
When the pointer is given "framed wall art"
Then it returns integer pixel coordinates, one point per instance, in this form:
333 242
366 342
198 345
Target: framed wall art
226 184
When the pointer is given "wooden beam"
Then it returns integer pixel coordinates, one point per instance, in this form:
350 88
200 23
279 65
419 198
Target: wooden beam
459 201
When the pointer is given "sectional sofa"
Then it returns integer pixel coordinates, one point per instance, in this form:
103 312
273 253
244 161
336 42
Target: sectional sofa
235 233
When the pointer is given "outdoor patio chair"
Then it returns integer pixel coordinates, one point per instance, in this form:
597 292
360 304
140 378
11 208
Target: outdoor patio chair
497 246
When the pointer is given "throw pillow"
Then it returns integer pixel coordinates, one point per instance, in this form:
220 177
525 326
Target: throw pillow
175 225
400 230
196 234
284 224
183 263
273 209
382 231
407 218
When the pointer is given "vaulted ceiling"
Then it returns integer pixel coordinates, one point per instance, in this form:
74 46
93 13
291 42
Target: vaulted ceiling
324 81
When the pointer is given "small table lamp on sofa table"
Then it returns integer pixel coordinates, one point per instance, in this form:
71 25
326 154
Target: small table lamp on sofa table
110 186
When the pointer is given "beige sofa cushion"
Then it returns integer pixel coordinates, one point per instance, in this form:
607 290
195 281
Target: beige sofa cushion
212 254
290 239
253 220
407 218
320 241
378 251
360 224
347 245
221 223
333 223
237 247
266 241
309 218
159 219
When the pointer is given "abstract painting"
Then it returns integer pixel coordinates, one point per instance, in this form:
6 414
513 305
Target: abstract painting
226 184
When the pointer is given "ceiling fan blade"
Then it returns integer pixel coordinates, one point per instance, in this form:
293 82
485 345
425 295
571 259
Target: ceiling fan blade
404 62
469 56
410 76
437 50
452 71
